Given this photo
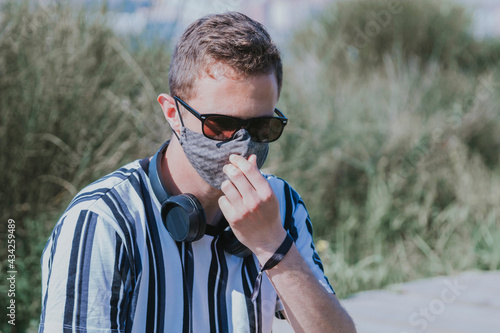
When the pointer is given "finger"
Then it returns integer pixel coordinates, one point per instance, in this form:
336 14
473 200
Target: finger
226 208
239 180
251 193
249 169
231 192
253 159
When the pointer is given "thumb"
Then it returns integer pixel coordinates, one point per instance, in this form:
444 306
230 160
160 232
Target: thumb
253 159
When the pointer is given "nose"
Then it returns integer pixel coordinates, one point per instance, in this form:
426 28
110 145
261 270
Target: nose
240 135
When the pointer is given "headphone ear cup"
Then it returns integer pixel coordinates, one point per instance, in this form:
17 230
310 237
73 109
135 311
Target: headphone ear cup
184 218
232 245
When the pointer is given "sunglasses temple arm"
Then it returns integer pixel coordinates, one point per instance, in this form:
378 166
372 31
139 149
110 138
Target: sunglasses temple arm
179 111
280 114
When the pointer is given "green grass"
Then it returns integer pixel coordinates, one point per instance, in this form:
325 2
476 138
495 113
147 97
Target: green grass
75 105
395 194
396 156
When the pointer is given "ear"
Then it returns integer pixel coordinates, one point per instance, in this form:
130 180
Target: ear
167 103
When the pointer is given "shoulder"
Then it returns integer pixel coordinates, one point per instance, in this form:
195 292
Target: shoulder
116 185
116 199
294 215
285 192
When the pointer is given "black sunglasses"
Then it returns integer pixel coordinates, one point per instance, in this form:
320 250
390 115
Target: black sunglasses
222 128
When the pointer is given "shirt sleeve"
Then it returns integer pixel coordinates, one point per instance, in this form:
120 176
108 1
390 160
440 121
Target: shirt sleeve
300 228
85 276
297 223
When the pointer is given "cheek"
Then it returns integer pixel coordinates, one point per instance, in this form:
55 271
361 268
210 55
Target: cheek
191 122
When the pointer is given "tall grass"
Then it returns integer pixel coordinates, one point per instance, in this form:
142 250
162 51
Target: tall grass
75 105
393 194
396 155
360 32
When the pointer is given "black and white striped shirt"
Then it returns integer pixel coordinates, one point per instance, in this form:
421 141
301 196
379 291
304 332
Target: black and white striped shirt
111 266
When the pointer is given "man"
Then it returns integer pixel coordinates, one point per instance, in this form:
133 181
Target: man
134 252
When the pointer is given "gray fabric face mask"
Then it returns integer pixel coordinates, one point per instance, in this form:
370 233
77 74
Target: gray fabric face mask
208 156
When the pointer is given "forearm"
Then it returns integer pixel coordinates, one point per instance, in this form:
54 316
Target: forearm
308 305
251 207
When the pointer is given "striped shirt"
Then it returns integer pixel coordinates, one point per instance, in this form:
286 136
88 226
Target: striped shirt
111 266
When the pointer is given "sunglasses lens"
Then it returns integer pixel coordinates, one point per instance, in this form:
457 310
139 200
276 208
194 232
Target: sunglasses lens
220 127
265 129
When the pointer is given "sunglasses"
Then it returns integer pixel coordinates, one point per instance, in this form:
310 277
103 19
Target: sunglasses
223 128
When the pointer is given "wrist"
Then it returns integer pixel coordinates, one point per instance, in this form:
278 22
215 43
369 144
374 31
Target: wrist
274 260
265 250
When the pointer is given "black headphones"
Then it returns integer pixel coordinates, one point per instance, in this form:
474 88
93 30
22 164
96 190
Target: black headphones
183 215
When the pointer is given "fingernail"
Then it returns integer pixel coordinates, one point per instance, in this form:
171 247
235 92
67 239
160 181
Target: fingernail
226 168
232 157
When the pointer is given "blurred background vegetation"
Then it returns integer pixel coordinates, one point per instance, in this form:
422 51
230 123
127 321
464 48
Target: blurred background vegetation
393 141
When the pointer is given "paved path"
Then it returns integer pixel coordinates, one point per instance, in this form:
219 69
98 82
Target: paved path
465 303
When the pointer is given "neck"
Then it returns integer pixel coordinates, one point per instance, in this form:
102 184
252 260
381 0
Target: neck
180 177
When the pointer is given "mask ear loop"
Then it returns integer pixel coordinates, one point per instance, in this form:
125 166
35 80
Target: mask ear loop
182 122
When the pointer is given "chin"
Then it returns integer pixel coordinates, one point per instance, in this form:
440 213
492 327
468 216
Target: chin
215 191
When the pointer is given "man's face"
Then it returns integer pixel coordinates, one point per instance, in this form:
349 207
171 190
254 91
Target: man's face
246 97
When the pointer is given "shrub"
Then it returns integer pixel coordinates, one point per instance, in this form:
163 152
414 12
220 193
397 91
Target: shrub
76 104
396 155
357 34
